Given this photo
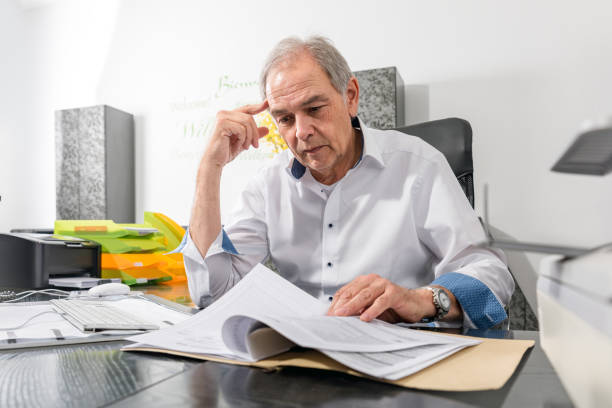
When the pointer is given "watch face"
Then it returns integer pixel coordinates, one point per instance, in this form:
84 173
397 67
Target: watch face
444 300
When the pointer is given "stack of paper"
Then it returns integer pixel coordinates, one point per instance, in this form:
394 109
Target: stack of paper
81 282
264 315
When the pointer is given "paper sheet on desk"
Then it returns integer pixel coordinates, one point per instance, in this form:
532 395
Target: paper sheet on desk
151 311
51 326
350 334
40 327
202 332
486 366
396 364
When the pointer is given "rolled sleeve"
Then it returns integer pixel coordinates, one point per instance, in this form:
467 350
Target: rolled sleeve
480 305
198 267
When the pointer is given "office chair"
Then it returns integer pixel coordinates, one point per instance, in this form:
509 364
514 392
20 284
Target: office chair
453 137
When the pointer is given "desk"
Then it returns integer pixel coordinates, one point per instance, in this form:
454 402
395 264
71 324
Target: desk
92 375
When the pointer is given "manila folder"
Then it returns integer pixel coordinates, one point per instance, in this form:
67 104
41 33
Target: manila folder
486 366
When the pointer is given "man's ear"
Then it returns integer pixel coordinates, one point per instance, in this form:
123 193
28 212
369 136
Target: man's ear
352 96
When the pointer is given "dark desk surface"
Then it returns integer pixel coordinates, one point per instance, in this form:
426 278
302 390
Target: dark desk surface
93 375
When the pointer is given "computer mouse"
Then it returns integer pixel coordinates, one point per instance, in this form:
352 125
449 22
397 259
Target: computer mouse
109 289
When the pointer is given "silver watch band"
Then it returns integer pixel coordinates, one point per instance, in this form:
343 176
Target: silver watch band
435 294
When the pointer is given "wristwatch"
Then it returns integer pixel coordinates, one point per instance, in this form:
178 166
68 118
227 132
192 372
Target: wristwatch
441 301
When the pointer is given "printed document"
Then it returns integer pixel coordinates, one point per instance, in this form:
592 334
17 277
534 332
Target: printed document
264 315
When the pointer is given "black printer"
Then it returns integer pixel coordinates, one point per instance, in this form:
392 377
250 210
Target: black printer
28 260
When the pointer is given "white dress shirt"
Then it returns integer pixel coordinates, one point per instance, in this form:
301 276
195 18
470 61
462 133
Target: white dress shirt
399 213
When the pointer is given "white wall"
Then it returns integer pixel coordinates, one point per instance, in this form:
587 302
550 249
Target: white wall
525 74
52 57
14 94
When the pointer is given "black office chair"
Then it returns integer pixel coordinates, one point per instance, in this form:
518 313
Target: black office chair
453 137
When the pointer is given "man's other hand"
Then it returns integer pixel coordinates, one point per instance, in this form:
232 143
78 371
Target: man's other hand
371 297
235 131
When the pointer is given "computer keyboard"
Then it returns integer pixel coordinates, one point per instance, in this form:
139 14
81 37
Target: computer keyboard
95 315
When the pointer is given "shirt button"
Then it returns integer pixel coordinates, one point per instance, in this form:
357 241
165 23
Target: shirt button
330 225
329 264
330 298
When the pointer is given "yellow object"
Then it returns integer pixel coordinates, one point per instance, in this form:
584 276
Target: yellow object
171 230
265 119
103 228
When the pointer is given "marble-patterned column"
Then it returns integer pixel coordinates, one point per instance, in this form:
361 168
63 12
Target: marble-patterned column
381 97
94 153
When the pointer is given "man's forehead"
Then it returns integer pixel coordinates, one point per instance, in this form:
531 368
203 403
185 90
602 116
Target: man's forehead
283 105
281 91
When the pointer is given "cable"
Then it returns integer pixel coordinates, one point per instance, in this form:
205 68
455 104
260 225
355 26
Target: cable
28 293
27 321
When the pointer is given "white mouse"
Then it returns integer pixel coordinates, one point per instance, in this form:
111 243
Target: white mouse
109 289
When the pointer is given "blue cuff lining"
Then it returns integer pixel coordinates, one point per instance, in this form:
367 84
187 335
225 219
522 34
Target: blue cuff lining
476 299
227 244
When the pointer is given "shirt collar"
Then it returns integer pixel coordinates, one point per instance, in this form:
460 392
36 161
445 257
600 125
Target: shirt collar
370 148
297 169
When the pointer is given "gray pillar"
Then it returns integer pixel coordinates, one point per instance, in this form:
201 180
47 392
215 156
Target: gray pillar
94 164
381 97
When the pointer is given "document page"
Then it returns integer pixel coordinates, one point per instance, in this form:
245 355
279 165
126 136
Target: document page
348 333
397 364
261 291
150 311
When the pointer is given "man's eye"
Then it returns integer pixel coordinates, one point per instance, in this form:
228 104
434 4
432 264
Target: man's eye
314 109
284 120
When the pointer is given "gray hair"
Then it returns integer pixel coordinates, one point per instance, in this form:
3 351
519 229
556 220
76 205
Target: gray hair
323 52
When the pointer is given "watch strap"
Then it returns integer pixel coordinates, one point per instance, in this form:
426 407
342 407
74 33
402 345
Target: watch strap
435 293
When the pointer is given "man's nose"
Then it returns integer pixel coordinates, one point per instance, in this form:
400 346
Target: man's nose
303 127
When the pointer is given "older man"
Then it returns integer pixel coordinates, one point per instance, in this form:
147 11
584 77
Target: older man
374 222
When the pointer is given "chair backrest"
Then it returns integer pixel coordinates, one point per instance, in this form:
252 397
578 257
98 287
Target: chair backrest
452 137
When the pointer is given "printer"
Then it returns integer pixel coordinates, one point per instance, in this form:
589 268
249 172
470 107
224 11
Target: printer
28 260
575 312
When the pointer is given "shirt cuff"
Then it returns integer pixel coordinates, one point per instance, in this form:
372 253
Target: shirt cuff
222 243
478 302
197 266
227 245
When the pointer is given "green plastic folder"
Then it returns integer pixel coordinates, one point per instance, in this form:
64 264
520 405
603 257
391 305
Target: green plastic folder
114 238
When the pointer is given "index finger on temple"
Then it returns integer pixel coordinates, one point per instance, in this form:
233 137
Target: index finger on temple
254 109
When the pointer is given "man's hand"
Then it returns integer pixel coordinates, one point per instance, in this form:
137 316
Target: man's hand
234 132
371 297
